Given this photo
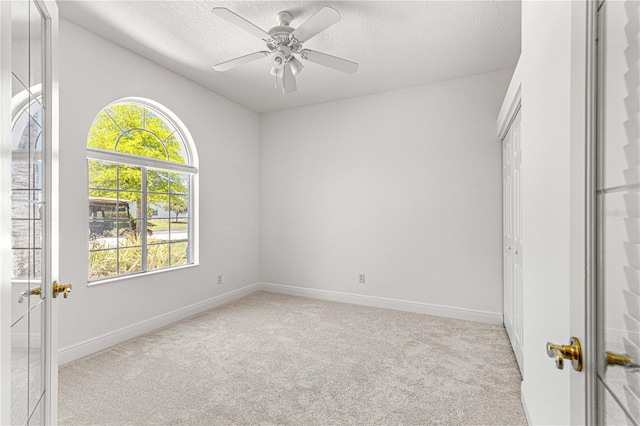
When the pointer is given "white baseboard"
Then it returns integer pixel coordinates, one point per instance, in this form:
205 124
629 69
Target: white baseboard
90 346
388 303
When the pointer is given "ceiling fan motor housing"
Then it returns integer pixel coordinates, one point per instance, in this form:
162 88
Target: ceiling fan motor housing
280 36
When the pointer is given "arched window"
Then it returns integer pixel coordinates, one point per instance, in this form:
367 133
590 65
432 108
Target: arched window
141 177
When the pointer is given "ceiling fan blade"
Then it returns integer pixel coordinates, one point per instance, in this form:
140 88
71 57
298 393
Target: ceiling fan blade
323 19
234 18
224 66
329 61
289 80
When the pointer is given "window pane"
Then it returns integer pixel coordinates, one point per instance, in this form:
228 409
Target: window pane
37 117
158 230
102 216
19 29
130 260
129 204
141 143
102 228
179 206
103 133
179 254
20 195
20 209
158 206
20 174
155 124
129 238
102 201
26 173
102 263
36 174
157 256
175 149
26 233
36 44
102 220
179 230
157 181
26 130
179 183
130 178
36 263
28 196
126 115
102 174
26 263
20 131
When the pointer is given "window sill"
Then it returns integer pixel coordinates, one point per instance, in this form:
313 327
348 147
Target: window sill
139 275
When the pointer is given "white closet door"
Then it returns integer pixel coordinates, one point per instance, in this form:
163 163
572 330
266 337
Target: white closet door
512 237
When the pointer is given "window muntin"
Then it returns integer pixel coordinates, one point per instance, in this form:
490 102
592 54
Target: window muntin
140 192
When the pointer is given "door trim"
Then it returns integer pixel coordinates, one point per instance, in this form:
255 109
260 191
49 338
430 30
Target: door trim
511 104
583 217
5 211
591 132
51 190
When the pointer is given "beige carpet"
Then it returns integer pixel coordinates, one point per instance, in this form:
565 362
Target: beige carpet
274 359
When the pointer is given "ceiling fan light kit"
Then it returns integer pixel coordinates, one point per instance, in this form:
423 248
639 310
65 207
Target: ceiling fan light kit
285 46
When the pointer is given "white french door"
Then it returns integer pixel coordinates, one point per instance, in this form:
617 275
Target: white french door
28 93
618 211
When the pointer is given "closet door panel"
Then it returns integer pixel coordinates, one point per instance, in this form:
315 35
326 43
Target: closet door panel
512 238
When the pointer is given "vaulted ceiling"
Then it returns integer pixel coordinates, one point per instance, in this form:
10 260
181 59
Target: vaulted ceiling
398 44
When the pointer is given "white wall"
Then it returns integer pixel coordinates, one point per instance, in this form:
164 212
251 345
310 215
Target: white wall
403 186
95 72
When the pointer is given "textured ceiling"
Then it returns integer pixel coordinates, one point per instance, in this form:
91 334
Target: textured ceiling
398 44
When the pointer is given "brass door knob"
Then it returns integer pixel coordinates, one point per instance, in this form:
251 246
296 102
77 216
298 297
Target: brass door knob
623 360
65 289
27 293
572 351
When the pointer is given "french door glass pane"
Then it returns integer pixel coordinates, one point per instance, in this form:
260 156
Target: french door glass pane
20 42
619 209
19 372
36 359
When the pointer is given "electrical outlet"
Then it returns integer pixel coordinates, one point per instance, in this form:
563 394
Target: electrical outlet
361 279
220 279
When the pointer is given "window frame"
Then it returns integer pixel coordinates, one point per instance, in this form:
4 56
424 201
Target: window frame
145 163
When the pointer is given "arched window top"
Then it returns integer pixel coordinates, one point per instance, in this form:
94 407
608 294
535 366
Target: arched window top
143 129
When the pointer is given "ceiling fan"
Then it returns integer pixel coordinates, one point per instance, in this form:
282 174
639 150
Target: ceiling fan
285 45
